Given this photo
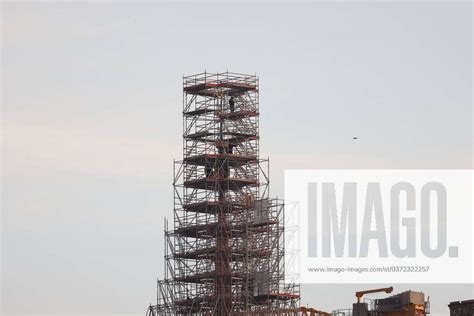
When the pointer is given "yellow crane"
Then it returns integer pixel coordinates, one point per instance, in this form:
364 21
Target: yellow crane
383 289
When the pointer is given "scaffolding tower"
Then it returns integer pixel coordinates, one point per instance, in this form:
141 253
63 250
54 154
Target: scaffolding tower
224 254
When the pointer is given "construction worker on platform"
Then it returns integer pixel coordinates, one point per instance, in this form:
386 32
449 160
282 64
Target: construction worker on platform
249 200
208 171
232 104
231 149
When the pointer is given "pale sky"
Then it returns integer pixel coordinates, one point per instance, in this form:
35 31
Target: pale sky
91 122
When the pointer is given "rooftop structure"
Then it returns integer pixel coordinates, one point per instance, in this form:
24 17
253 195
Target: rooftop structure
462 308
408 303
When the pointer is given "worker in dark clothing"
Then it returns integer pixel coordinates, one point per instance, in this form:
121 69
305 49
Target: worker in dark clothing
232 104
231 149
226 169
208 171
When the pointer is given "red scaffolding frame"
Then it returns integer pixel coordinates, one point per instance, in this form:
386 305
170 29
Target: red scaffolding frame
224 254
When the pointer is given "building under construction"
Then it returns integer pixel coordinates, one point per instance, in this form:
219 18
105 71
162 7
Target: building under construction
225 250
408 303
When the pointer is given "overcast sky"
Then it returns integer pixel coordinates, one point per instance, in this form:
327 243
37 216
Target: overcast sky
91 122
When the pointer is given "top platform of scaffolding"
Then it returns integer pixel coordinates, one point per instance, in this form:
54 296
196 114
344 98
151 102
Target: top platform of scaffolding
216 84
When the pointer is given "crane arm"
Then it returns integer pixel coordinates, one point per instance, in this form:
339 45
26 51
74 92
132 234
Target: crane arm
362 293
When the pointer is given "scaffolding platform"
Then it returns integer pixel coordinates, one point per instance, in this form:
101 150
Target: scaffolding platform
206 277
209 230
213 207
212 89
277 296
198 112
238 115
227 137
218 183
223 115
210 252
234 160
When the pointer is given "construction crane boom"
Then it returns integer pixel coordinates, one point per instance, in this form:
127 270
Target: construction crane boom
360 294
